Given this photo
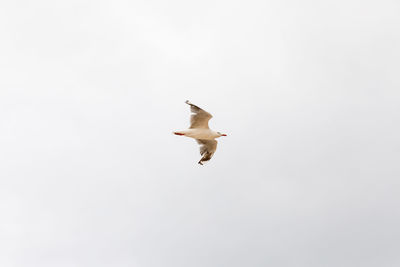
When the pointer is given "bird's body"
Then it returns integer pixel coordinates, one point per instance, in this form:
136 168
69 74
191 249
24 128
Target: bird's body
200 131
205 134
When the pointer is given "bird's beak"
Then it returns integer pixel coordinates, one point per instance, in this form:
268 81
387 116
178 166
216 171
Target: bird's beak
223 134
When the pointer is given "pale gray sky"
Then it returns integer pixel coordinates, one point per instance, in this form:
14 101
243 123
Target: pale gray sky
307 91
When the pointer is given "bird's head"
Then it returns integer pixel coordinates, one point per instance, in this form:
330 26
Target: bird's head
221 134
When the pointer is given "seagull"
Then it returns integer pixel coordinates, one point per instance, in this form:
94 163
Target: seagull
200 131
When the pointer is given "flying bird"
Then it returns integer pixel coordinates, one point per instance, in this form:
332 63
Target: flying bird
200 131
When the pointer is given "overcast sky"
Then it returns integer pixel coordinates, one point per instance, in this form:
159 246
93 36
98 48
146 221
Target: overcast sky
307 91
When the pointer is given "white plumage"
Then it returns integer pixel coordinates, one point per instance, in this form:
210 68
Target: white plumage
200 131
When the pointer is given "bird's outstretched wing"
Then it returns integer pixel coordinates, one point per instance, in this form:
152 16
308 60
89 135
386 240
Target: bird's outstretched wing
199 117
207 149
